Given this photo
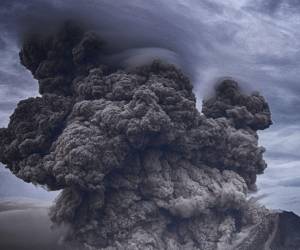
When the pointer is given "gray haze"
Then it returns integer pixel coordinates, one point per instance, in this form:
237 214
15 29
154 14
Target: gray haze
255 42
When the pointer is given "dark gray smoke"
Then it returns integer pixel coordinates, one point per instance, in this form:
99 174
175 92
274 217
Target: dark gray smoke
139 167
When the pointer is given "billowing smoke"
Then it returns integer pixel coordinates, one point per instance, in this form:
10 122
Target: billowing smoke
138 165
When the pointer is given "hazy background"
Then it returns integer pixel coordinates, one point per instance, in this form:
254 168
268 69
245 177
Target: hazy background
255 42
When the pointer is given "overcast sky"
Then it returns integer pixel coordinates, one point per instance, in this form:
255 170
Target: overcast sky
254 41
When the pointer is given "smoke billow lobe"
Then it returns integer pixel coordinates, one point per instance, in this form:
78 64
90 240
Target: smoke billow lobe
139 166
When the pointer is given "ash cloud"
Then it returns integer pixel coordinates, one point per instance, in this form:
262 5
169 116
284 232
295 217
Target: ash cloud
242 39
137 163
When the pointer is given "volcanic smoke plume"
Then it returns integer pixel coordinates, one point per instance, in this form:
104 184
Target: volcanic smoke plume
138 165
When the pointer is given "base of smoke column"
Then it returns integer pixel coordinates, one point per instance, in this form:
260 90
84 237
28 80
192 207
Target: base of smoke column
25 225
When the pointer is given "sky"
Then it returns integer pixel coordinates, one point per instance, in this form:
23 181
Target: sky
254 41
